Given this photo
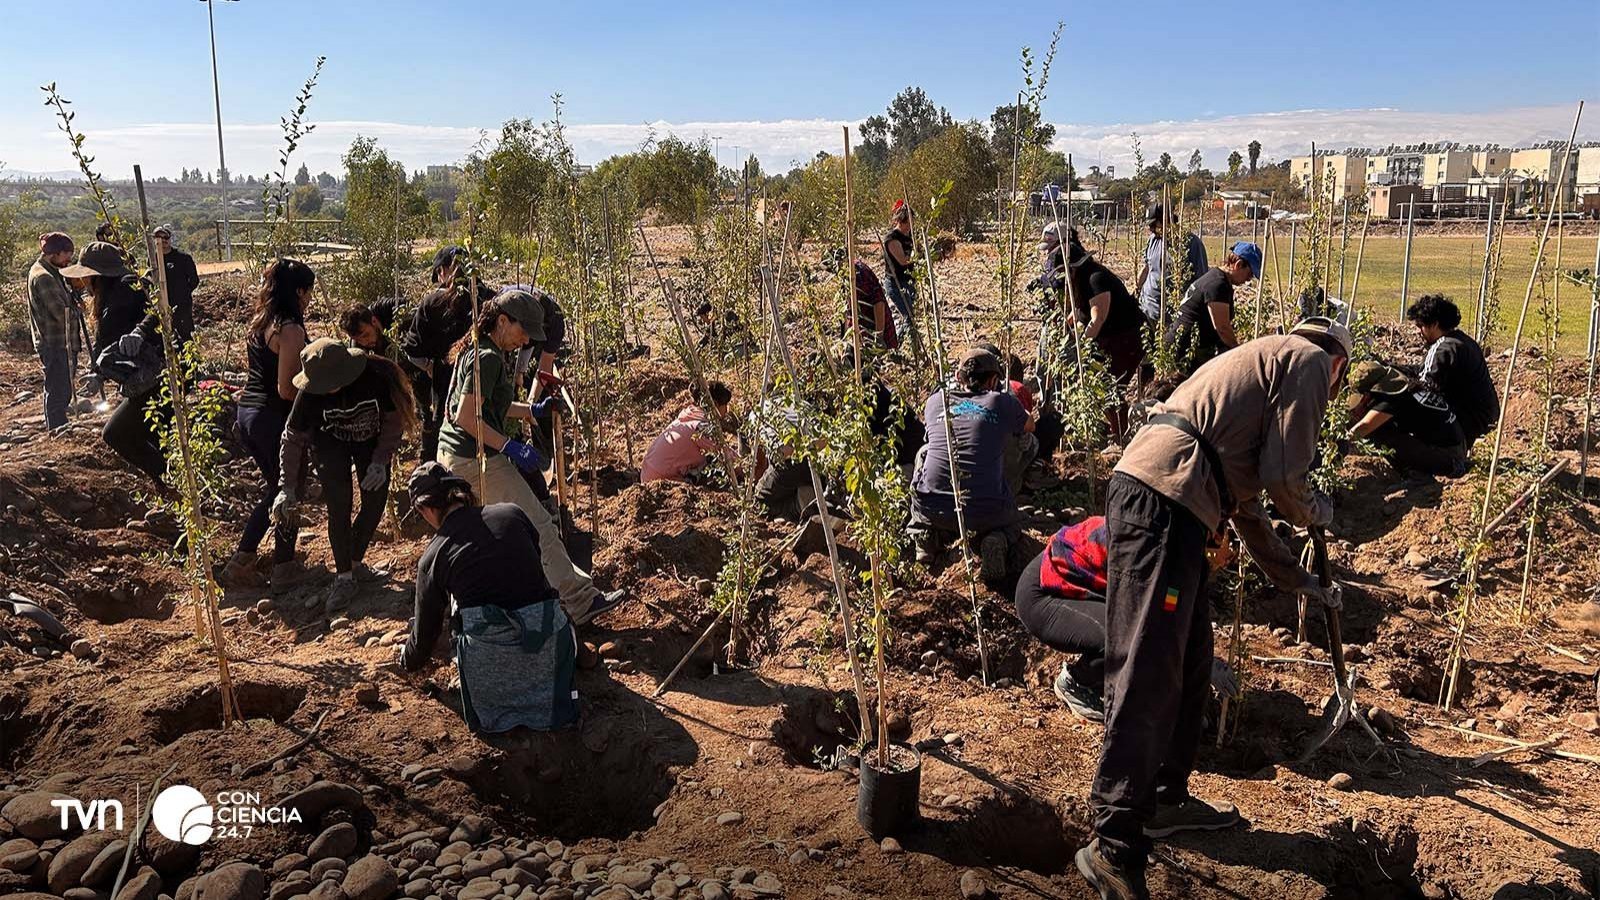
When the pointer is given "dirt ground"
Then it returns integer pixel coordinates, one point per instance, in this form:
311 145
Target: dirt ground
1006 768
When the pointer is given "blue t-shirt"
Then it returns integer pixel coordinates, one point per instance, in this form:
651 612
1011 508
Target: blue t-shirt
981 424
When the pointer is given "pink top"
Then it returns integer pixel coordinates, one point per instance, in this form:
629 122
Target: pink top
686 444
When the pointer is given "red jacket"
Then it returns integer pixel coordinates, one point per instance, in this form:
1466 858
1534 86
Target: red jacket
1075 561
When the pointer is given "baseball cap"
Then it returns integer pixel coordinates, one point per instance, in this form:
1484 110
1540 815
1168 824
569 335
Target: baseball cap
1324 326
1251 254
978 361
526 309
447 255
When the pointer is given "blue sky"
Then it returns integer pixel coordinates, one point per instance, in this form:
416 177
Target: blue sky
471 65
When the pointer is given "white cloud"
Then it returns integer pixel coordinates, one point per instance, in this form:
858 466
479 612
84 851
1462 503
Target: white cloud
253 148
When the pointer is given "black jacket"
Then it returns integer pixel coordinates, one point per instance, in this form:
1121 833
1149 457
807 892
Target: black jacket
182 279
442 318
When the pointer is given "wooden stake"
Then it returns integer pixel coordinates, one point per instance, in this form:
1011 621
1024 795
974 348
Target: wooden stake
203 587
1457 649
1405 266
850 261
1593 349
1361 252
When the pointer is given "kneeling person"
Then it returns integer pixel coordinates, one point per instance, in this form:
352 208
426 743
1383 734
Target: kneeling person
1419 427
982 419
689 443
514 644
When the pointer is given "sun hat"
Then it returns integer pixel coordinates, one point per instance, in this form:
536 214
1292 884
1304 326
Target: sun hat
1377 378
1313 326
327 365
526 309
99 258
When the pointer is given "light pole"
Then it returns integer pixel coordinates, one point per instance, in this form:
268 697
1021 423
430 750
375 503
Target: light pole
716 154
222 162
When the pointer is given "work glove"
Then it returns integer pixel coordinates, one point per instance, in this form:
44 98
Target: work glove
130 344
551 404
1312 589
1321 509
1223 679
283 508
377 475
524 456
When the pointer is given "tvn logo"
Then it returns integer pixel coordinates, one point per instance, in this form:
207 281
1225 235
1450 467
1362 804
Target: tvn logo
183 815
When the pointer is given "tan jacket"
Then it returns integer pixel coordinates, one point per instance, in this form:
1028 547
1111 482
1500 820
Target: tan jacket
1260 406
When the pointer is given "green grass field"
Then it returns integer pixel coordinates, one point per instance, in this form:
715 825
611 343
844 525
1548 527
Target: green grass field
1452 265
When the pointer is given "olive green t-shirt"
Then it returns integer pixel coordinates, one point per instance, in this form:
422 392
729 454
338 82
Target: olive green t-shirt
497 394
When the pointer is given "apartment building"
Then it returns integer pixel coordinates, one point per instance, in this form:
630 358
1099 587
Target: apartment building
1542 167
1348 172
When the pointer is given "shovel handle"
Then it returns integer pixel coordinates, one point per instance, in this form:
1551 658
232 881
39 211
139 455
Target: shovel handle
1319 544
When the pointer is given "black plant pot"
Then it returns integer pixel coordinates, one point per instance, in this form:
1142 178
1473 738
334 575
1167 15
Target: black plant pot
888 800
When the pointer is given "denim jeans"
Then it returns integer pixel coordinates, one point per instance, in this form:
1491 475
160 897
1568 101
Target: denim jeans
261 432
57 363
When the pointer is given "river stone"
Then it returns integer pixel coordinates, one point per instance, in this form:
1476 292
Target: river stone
318 797
767 881
482 862
479 889
285 888
370 878
664 889
336 842
70 862
105 865
147 886
424 851
186 890
713 890
234 881
85 893
972 886
18 855
472 829
170 858
556 893
33 817
730 818
290 862
417 888
327 868
328 890
632 879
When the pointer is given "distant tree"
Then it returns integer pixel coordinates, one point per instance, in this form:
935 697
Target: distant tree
961 156
306 200
249 179
1164 164
302 177
326 181
1255 154
1035 133
380 243
669 174
1235 161
873 151
1195 161
914 119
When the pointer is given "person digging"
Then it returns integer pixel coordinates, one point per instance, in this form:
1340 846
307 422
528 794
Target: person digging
982 418
1245 424
1061 600
514 645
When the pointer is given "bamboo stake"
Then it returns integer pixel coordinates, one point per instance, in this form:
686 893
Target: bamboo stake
399 184
1457 649
1344 243
620 299
850 262
1294 247
1235 643
1593 349
203 587
1548 751
1483 282
1405 267
846 616
1555 469
1492 755
1008 288
1361 253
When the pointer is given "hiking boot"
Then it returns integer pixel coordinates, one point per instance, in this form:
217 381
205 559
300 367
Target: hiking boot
1085 702
240 571
286 575
1114 882
340 593
1193 814
993 552
600 605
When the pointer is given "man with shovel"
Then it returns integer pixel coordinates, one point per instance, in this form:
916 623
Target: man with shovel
1245 423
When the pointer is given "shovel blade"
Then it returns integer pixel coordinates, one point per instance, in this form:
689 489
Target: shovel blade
1336 713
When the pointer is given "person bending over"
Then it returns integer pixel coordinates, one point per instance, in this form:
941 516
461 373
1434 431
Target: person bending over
689 444
1061 600
353 410
1203 327
1418 427
514 645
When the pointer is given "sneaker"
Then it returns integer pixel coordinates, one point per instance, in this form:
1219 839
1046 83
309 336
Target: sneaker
288 574
1193 814
1114 882
340 593
993 552
1084 702
602 604
369 575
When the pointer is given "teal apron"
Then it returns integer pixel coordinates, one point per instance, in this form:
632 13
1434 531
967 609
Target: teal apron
516 667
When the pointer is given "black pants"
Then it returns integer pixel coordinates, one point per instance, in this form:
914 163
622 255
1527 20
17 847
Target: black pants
337 461
261 432
1049 431
1412 453
1158 663
779 485
433 395
1070 626
129 432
